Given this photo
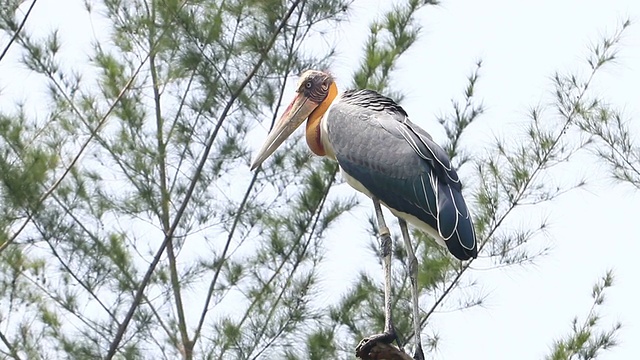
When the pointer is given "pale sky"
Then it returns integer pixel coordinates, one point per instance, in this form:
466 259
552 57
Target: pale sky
521 44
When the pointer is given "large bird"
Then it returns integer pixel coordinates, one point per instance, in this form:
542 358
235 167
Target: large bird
385 156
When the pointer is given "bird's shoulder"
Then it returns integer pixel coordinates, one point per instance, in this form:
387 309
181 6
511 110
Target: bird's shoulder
372 101
371 126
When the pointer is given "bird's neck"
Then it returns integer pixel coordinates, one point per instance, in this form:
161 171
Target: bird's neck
314 133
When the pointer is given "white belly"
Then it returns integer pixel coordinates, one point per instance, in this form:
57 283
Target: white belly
407 217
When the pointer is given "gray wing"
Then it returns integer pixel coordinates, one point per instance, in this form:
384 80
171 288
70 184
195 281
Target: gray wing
399 163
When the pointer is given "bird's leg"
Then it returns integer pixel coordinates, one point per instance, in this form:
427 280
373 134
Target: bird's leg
385 253
413 274
362 350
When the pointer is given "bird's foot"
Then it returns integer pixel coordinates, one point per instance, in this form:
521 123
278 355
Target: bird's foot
418 354
363 350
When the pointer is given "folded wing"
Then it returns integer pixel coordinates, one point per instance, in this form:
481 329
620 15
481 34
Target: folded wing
398 162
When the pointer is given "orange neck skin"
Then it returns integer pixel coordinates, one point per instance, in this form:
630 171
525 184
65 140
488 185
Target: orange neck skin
313 133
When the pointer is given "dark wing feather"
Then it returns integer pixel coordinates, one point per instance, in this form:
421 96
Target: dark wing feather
399 163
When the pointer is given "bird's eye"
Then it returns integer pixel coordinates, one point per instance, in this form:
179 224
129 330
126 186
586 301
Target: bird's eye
308 84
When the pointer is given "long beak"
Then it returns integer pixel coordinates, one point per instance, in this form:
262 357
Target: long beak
299 109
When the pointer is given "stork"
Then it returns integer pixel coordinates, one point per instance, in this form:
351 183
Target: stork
391 160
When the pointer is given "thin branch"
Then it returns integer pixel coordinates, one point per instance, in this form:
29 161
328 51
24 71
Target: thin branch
123 271
164 192
213 282
17 32
8 344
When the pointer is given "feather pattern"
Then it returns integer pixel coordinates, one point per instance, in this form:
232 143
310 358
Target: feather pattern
398 162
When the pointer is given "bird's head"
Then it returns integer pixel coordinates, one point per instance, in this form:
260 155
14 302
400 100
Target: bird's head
314 93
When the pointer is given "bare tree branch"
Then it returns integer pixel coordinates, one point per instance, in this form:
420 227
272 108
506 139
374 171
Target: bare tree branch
18 30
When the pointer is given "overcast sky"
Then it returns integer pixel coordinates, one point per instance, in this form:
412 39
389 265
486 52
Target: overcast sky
521 43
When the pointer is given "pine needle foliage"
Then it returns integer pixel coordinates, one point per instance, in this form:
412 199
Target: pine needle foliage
587 340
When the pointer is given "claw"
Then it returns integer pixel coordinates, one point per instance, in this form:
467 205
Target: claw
418 354
363 349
